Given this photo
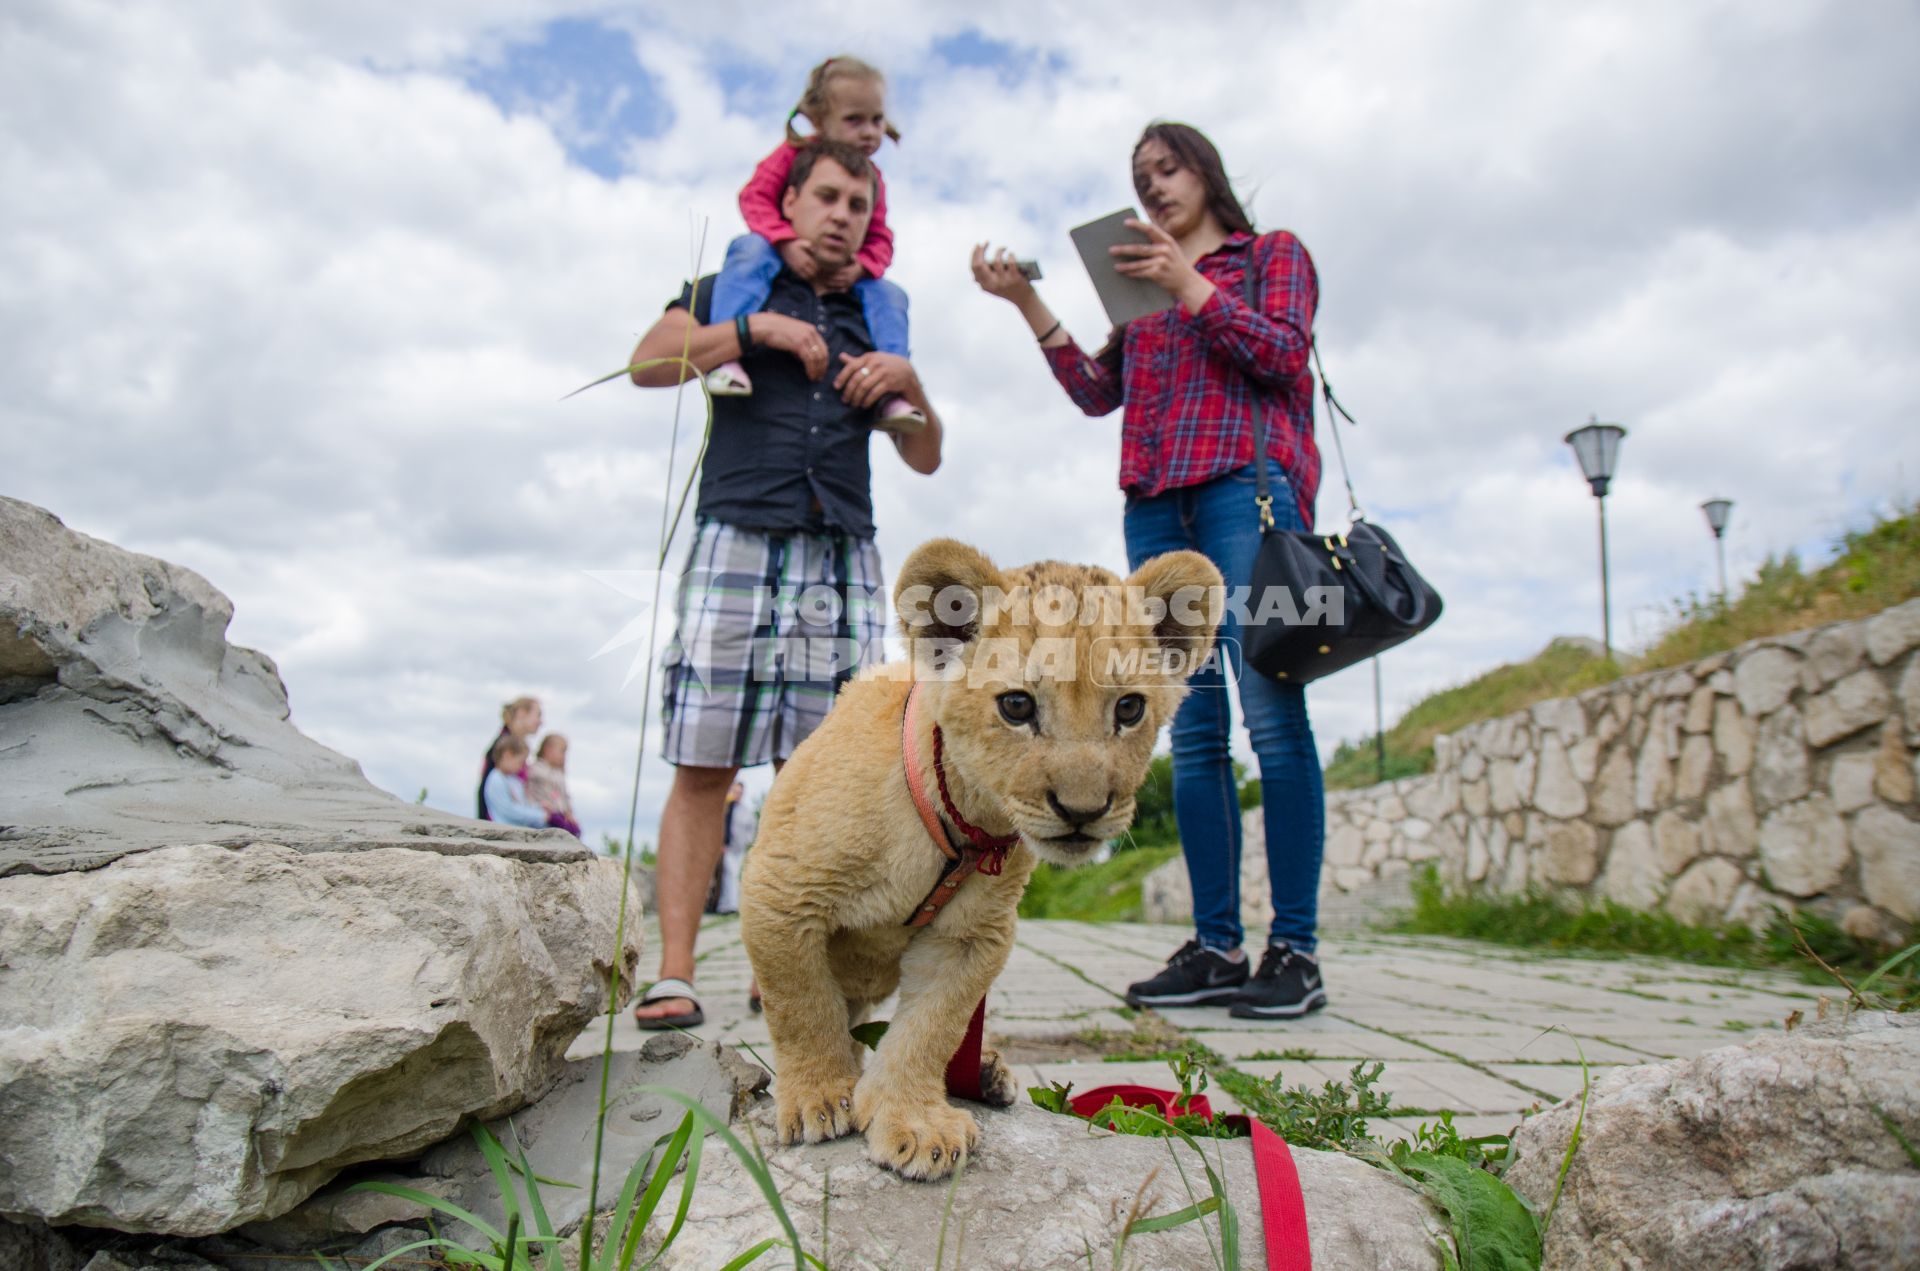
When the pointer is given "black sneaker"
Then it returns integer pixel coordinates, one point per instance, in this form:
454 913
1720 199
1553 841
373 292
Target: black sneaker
1286 986
1195 975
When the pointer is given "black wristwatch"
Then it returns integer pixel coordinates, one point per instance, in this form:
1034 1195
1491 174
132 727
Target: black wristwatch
745 333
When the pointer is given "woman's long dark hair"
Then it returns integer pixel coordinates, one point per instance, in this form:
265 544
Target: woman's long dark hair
1191 150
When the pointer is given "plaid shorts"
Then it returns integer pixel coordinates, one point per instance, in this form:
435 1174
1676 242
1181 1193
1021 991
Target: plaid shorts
770 625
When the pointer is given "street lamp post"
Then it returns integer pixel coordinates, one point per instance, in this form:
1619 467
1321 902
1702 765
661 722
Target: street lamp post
1597 446
1717 511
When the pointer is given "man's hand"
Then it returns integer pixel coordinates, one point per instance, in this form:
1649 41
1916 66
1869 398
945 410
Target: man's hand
869 379
790 335
1163 263
843 277
798 253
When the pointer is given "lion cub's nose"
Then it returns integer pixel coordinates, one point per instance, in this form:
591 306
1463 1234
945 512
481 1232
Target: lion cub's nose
1077 817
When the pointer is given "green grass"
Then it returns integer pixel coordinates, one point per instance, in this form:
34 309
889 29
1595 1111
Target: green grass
1565 925
1107 892
1872 569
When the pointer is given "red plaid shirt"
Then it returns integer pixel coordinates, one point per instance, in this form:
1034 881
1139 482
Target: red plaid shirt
1188 380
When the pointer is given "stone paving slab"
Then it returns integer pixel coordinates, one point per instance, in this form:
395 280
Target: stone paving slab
1488 1032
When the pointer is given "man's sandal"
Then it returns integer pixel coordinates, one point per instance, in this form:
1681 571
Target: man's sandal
666 990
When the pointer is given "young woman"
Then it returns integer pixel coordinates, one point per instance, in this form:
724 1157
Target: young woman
1190 379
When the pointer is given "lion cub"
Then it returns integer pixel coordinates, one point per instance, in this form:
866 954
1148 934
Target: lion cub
1042 690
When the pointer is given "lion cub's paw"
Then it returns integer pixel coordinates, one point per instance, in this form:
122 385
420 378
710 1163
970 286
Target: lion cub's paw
997 1085
921 1142
813 1113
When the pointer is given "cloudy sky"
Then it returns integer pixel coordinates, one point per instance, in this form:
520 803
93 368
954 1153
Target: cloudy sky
290 294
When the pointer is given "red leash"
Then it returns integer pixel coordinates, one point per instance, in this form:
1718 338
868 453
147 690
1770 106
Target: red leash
1283 1208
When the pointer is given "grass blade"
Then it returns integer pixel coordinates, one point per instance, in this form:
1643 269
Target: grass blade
756 1169
1164 1222
1887 966
686 1194
439 1203
771 1242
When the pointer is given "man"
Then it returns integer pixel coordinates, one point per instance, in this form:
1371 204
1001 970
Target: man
782 579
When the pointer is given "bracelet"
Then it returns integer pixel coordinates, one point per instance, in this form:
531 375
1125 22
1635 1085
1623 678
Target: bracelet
745 333
1050 333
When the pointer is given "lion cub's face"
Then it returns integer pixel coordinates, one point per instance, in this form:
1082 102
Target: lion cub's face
1050 682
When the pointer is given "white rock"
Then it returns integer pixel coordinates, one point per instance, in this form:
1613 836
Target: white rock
1653 773
1888 845
1633 876
1478 859
1732 828
1612 797
1851 780
1803 846
1768 1154
1556 791
1856 702
1344 846
1696 768
1561 715
1571 855
1892 632
1703 893
1699 717
1910 699
1764 679
1038 1193
1584 759
1892 771
1780 762
1732 736
1836 650
277 1015
1503 792
1677 840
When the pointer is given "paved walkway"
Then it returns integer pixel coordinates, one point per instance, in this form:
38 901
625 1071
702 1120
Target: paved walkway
1458 1025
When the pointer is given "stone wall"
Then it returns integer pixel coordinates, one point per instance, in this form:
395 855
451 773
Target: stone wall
1779 775
1776 775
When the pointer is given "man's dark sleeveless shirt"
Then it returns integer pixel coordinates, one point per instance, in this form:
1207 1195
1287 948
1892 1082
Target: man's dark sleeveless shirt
793 456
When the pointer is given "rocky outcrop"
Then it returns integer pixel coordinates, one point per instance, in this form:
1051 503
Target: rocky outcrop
1778 1153
230 966
1041 1190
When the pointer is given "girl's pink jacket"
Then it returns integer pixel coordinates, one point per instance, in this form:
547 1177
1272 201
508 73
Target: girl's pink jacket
760 205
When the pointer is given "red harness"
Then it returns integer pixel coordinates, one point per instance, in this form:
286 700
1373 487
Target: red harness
982 851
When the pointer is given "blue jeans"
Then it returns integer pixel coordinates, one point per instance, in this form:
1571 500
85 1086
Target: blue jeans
1219 519
747 275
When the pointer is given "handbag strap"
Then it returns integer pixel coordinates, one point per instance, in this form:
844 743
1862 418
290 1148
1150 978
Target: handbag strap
1335 412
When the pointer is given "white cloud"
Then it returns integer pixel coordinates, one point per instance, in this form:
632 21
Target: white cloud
290 302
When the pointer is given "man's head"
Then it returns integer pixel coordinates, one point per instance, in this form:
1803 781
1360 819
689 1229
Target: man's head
829 200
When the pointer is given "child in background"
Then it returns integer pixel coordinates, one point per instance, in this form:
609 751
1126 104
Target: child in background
844 101
547 783
505 788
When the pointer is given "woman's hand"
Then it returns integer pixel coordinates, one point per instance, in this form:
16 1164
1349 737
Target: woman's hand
1162 262
999 275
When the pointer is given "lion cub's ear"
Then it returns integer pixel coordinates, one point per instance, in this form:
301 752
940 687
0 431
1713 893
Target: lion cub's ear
941 590
1187 599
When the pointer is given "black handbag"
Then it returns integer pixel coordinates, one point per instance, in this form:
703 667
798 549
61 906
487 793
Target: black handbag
1322 602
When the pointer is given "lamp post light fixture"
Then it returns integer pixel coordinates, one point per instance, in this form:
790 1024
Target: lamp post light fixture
1597 447
1718 510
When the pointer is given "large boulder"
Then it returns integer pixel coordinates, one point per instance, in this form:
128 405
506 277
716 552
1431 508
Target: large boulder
1778 1153
229 965
1041 1191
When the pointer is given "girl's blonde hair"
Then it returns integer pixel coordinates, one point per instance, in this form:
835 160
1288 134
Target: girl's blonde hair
816 101
514 707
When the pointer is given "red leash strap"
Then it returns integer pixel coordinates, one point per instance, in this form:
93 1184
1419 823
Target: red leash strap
1283 1209
963 1070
